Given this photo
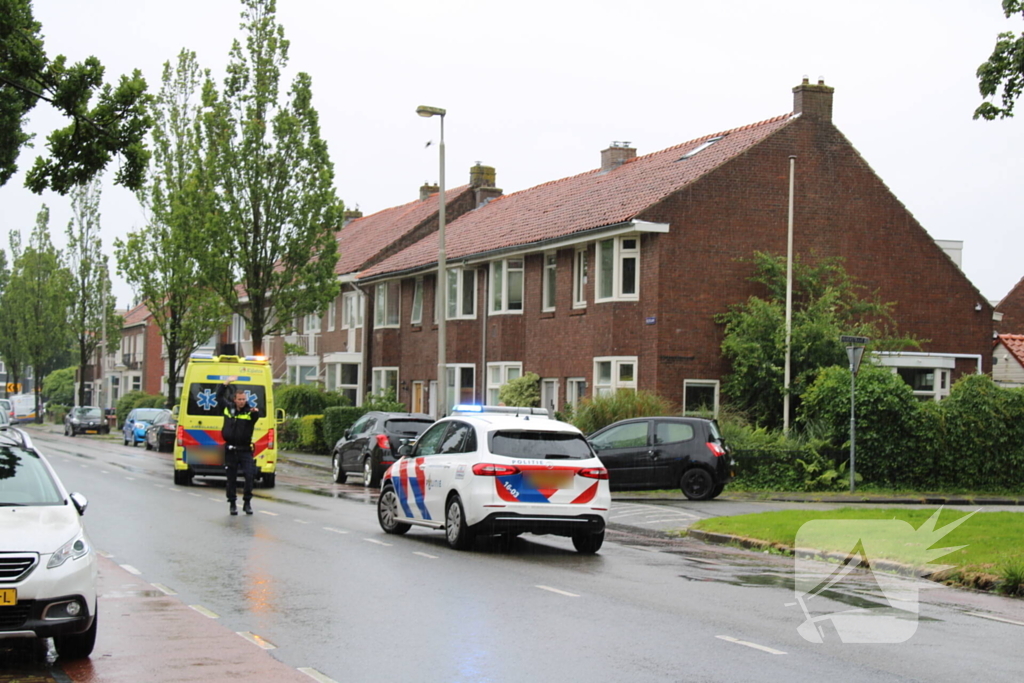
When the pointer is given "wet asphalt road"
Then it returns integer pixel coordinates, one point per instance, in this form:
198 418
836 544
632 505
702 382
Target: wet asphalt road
312 576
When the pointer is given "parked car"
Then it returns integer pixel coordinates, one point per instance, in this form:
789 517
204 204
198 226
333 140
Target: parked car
85 420
7 408
371 444
47 562
135 425
502 472
663 453
161 433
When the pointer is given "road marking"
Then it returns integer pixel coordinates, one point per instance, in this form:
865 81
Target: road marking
374 540
316 675
103 553
205 612
104 472
429 557
995 618
84 467
195 494
762 648
216 500
555 590
164 589
302 521
130 569
159 486
129 478
255 639
337 531
264 512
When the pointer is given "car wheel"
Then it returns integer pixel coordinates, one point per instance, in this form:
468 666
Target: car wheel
269 480
588 543
387 512
77 645
696 484
339 474
148 447
455 529
125 439
135 441
106 430
71 431
65 430
370 477
717 490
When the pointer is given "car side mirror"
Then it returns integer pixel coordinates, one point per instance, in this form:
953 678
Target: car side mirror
175 410
279 415
348 433
79 502
404 450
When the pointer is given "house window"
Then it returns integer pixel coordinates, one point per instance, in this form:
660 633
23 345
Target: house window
618 268
351 310
700 397
348 382
929 384
507 286
498 375
332 315
416 317
387 304
237 328
579 279
115 388
136 383
302 374
575 391
312 323
384 379
461 385
461 298
613 373
550 263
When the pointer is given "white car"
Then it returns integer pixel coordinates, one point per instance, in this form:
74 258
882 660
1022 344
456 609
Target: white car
494 472
48 566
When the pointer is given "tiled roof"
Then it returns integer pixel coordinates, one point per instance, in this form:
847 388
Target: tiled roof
1014 343
364 238
136 315
590 200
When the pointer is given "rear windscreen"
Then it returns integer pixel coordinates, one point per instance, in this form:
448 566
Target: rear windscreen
540 445
407 427
202 397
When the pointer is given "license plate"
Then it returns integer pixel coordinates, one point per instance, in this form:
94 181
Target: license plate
8 596
92 431
550 480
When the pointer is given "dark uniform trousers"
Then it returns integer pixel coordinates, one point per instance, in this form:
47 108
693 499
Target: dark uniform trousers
235 458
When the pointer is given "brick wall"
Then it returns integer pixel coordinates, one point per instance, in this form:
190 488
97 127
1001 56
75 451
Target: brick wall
1012 308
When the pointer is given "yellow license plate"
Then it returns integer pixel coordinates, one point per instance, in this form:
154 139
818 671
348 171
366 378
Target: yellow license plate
8 596
92 431
550 480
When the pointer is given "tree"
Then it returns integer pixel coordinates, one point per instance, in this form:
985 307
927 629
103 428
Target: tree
115 125
161 261
59 386
827 303
40 290
12 349
521 391
1003 69
92 304
273 252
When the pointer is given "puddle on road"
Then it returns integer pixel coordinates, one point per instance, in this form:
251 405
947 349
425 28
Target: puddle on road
134 594
360 496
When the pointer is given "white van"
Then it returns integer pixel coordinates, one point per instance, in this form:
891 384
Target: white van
24 407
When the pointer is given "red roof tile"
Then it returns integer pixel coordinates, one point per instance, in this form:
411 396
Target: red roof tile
136 315
1014 343
364 238
590 200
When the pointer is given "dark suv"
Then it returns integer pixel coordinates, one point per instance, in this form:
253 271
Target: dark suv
371 444
665 452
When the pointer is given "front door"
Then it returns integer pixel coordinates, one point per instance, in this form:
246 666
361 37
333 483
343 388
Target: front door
417 397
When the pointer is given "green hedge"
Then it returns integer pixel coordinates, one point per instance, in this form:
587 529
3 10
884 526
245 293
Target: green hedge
137 399
298 400
594 413
311 434
337 420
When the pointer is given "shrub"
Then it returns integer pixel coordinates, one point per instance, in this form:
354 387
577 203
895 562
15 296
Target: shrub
311 434
297 400
336 420
385 402
522 391
597 412
137 399
57 412
59 387
288 434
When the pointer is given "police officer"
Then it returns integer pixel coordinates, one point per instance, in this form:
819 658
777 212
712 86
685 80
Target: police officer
239 423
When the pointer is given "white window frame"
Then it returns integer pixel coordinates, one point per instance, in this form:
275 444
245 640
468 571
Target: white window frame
332 314
416 314
312 323
580 272
453 373
573 393
237 329
387 307
614 383
701 383
498 375
620 254
380 380
549 289
499 289
549 387
351 310
300 371
462 301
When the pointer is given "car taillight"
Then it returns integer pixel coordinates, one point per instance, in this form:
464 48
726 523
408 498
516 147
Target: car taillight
270 438
383 442
715 449
490 470
594 473
181 435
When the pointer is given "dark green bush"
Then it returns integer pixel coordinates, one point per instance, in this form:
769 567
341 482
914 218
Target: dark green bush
297 400
523 391
59 387
288 434
386 402
337 420
597 412
311 434
137 399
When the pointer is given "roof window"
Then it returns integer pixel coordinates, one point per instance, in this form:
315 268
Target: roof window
704 145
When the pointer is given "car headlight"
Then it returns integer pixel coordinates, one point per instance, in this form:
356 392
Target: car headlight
72 550
74 420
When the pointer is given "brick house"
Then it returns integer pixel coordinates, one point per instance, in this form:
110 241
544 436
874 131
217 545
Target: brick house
612 278
1008 360
1010 311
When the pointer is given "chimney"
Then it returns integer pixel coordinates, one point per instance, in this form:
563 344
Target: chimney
813 100
617 154
426 190
349 215
482 179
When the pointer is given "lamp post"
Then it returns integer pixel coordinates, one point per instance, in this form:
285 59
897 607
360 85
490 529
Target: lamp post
442 275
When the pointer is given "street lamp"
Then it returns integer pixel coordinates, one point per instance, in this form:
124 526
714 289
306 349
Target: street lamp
442 275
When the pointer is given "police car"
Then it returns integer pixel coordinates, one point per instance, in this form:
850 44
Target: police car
498 471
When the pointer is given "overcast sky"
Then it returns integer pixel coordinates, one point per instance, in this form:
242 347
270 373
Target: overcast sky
537 88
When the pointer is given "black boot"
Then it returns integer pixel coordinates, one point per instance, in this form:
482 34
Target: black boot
246 508
233 510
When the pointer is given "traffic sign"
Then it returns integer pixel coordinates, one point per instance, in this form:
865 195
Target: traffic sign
847 339
13 388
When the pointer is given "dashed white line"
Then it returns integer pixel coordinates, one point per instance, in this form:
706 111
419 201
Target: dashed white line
195 494
995 618
762 648
302 521
253 638
216 500
264 512
104 472
130 569
164 589
337 531
103 553
560 592
129 478
374 540
429 557
205 612
316 675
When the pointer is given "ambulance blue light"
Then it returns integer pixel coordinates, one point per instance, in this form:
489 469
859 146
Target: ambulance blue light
468 408
202 356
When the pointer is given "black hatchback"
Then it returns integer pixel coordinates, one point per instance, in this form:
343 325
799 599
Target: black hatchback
665 452
371 444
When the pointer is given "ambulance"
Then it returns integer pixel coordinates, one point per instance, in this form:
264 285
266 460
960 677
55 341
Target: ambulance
199 447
